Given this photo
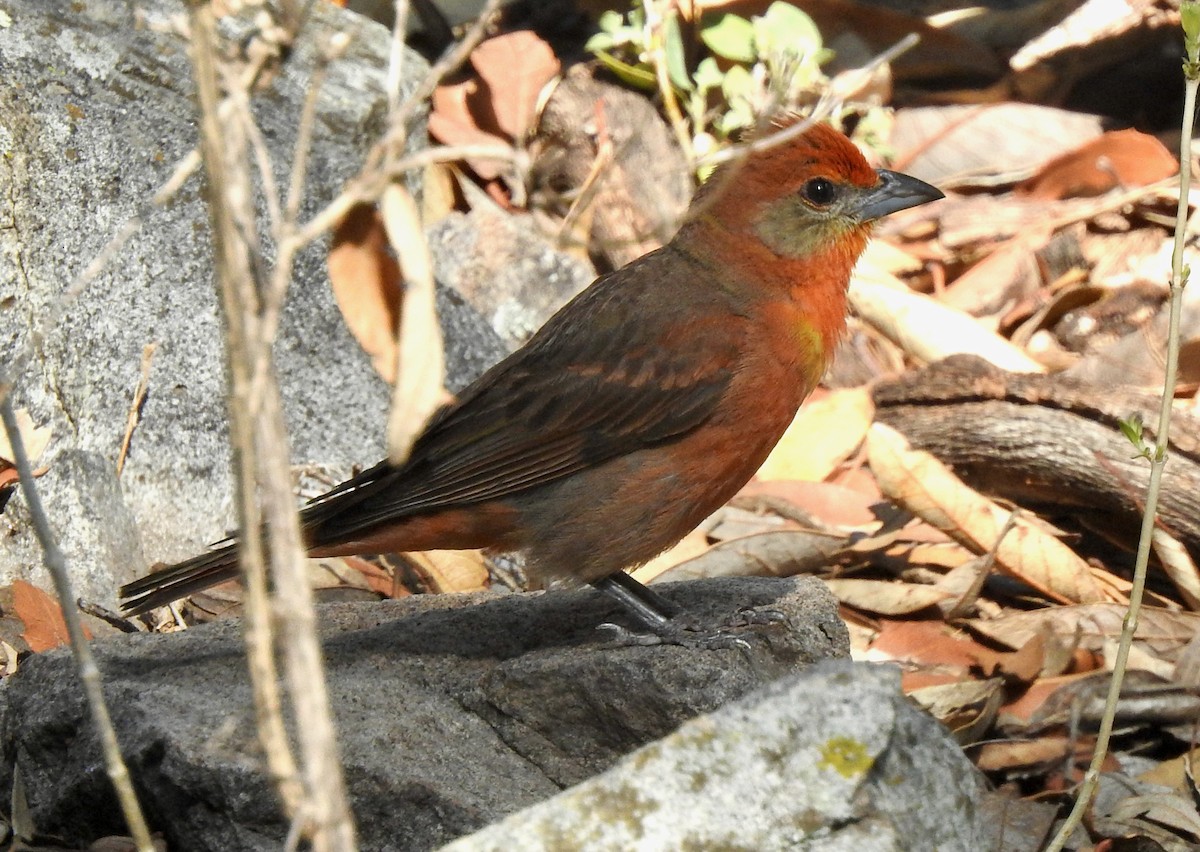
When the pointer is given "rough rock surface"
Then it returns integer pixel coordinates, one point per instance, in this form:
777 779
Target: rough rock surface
95 112
832 758
453 711
505 269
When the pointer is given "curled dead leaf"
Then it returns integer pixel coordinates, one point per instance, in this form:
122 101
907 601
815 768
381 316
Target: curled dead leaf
929 330
420 377
927 488
366 285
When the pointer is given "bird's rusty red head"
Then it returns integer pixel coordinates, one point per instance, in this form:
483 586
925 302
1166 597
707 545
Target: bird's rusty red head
810 190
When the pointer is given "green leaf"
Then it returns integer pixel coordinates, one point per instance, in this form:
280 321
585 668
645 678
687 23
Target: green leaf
1132 429
708 74
784 28
738 117
737 84
611 21
1189 14
600 41
673 47
634 75
731 37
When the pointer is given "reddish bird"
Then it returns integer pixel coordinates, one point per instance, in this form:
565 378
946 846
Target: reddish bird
642 406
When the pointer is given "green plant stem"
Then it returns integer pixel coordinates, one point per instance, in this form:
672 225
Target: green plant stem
1129 626
656 26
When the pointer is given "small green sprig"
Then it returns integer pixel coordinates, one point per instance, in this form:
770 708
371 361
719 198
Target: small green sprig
1133 429
769 59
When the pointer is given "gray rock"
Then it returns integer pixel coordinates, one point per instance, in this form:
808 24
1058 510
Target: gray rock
453 711
833 758
505 269
94 114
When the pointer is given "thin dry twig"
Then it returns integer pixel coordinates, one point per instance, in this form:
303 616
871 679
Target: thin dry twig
89 673
322 811
135 406
605 154
218 137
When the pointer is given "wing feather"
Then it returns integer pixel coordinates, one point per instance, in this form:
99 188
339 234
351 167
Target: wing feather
558 406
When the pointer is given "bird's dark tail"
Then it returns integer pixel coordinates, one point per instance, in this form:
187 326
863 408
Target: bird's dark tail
180 580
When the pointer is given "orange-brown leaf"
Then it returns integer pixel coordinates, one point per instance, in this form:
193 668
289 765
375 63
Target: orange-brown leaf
453 123
514 68
1121 158
43 619
367 285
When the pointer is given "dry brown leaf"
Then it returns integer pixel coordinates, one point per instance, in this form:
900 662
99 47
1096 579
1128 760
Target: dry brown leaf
929 330
420 377
337 572
1163 809
1160 632
693 544
772 554
1174 772
885 597
1002 279
1018 714
925 643
835 505
967 707
42 616
1120 158
1178 565
927 488
451 570
366 285
885 256
1022 754
452 122
1023 665
1097 26
826 430
735 521
514 68
379 579
952 146
948 556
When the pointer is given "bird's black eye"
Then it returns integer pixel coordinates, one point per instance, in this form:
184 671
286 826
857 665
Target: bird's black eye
820 191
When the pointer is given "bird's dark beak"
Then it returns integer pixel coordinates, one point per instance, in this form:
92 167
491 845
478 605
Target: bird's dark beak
894 192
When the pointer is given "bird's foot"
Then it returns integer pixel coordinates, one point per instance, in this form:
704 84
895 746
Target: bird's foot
740 631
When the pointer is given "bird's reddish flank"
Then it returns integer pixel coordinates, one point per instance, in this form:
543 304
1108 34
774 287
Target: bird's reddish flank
640 407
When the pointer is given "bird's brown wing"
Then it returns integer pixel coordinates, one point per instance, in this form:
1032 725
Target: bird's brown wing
562 404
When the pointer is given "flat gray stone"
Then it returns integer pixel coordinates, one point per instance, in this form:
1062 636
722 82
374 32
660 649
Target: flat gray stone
453 711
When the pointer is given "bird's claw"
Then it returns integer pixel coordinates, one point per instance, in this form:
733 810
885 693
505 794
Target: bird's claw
687 631
750 617
623 636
